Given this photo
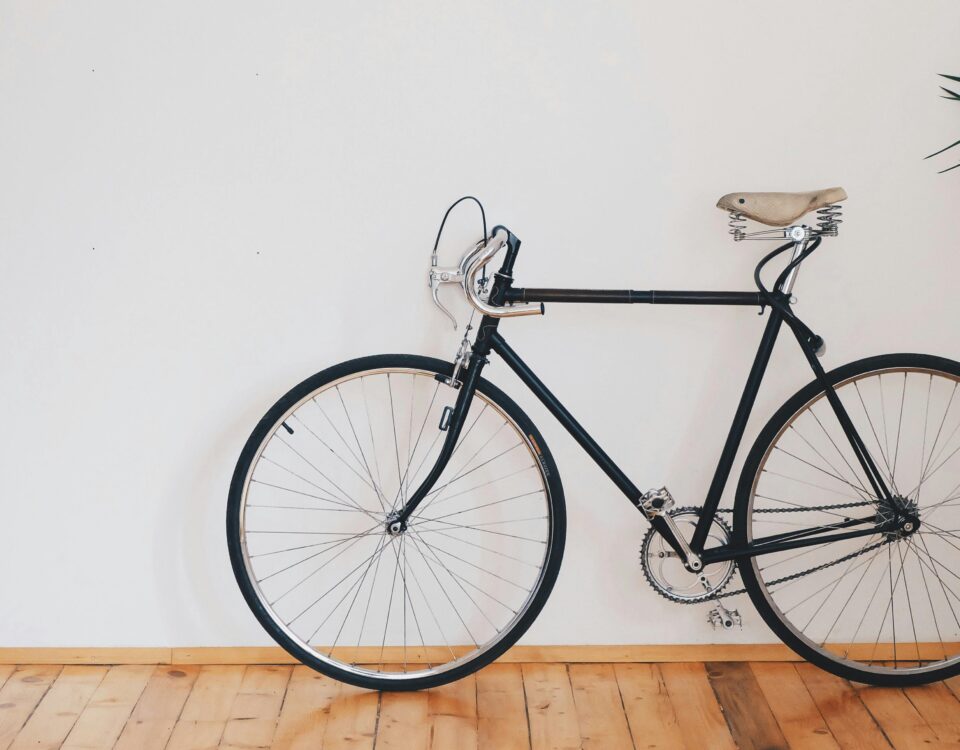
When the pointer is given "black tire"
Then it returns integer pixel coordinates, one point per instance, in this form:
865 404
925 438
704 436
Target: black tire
548 471
768 436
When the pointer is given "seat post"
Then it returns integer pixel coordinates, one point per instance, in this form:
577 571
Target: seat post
798 247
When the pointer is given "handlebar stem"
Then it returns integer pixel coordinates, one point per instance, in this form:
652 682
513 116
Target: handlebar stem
474 261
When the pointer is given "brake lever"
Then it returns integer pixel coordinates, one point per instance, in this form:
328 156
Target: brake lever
443 275
450 275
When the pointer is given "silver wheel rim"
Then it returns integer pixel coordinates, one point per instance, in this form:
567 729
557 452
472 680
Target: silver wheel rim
476 548
919 628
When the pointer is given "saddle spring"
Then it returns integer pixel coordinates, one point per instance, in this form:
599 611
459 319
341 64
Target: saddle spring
737 224
828 219
828 223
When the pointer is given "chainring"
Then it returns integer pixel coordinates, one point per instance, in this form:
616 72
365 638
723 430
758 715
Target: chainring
665 572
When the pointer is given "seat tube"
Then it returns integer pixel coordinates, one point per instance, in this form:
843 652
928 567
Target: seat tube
737 428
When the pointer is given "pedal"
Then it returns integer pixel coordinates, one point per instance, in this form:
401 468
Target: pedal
721 617
657 502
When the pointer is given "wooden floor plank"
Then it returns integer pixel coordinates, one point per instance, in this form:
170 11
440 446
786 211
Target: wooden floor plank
501 708
306 708
54 717
404 723
256 709
196 734
954 684
693 699
795 711
505 706
19 696
452 712
650 714
939 708
207 709
600 713
106 714
847 718
899 720
158 709
353 719
745 708
550 707
5 671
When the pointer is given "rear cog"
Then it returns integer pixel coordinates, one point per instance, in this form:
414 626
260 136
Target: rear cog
665 572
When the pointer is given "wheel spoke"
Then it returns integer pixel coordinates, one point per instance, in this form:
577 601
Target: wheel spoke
466 473
344 496
474 527
863 575
353 601
460 580
906 588
896 449
413 452
445 594
818 468
486 505
936 439
347 506
437 492
936 573
861 490
313 556
873 430
926 587
335 454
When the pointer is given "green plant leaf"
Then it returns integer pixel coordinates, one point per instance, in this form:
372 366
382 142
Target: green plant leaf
953 96
935 153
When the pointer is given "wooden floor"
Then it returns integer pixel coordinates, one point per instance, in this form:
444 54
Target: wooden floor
683 705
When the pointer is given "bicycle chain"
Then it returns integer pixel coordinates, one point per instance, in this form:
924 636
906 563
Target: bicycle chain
817 569
793 576
836 506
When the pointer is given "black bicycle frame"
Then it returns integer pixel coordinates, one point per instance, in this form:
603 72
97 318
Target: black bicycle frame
488 340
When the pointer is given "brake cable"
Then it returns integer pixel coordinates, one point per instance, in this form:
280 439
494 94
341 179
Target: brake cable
483 220
776 303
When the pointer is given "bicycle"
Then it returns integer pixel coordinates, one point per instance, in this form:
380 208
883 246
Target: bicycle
397 521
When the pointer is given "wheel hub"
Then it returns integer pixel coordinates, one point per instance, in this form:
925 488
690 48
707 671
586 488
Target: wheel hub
394 526
902 514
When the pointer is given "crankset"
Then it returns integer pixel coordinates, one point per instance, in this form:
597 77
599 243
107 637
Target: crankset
664 569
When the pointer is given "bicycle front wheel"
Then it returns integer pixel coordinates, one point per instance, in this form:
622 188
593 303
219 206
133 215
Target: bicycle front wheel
307 525
882 609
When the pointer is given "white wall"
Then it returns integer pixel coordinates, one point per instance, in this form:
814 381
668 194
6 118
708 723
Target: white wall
202 203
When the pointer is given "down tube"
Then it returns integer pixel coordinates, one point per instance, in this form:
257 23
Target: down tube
628 488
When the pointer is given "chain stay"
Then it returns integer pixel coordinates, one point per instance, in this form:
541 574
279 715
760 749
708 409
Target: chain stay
818 568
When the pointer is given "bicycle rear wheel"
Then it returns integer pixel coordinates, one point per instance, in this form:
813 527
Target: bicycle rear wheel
307 525
881 609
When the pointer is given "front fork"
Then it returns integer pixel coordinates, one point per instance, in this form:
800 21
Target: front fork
453 423
468 380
